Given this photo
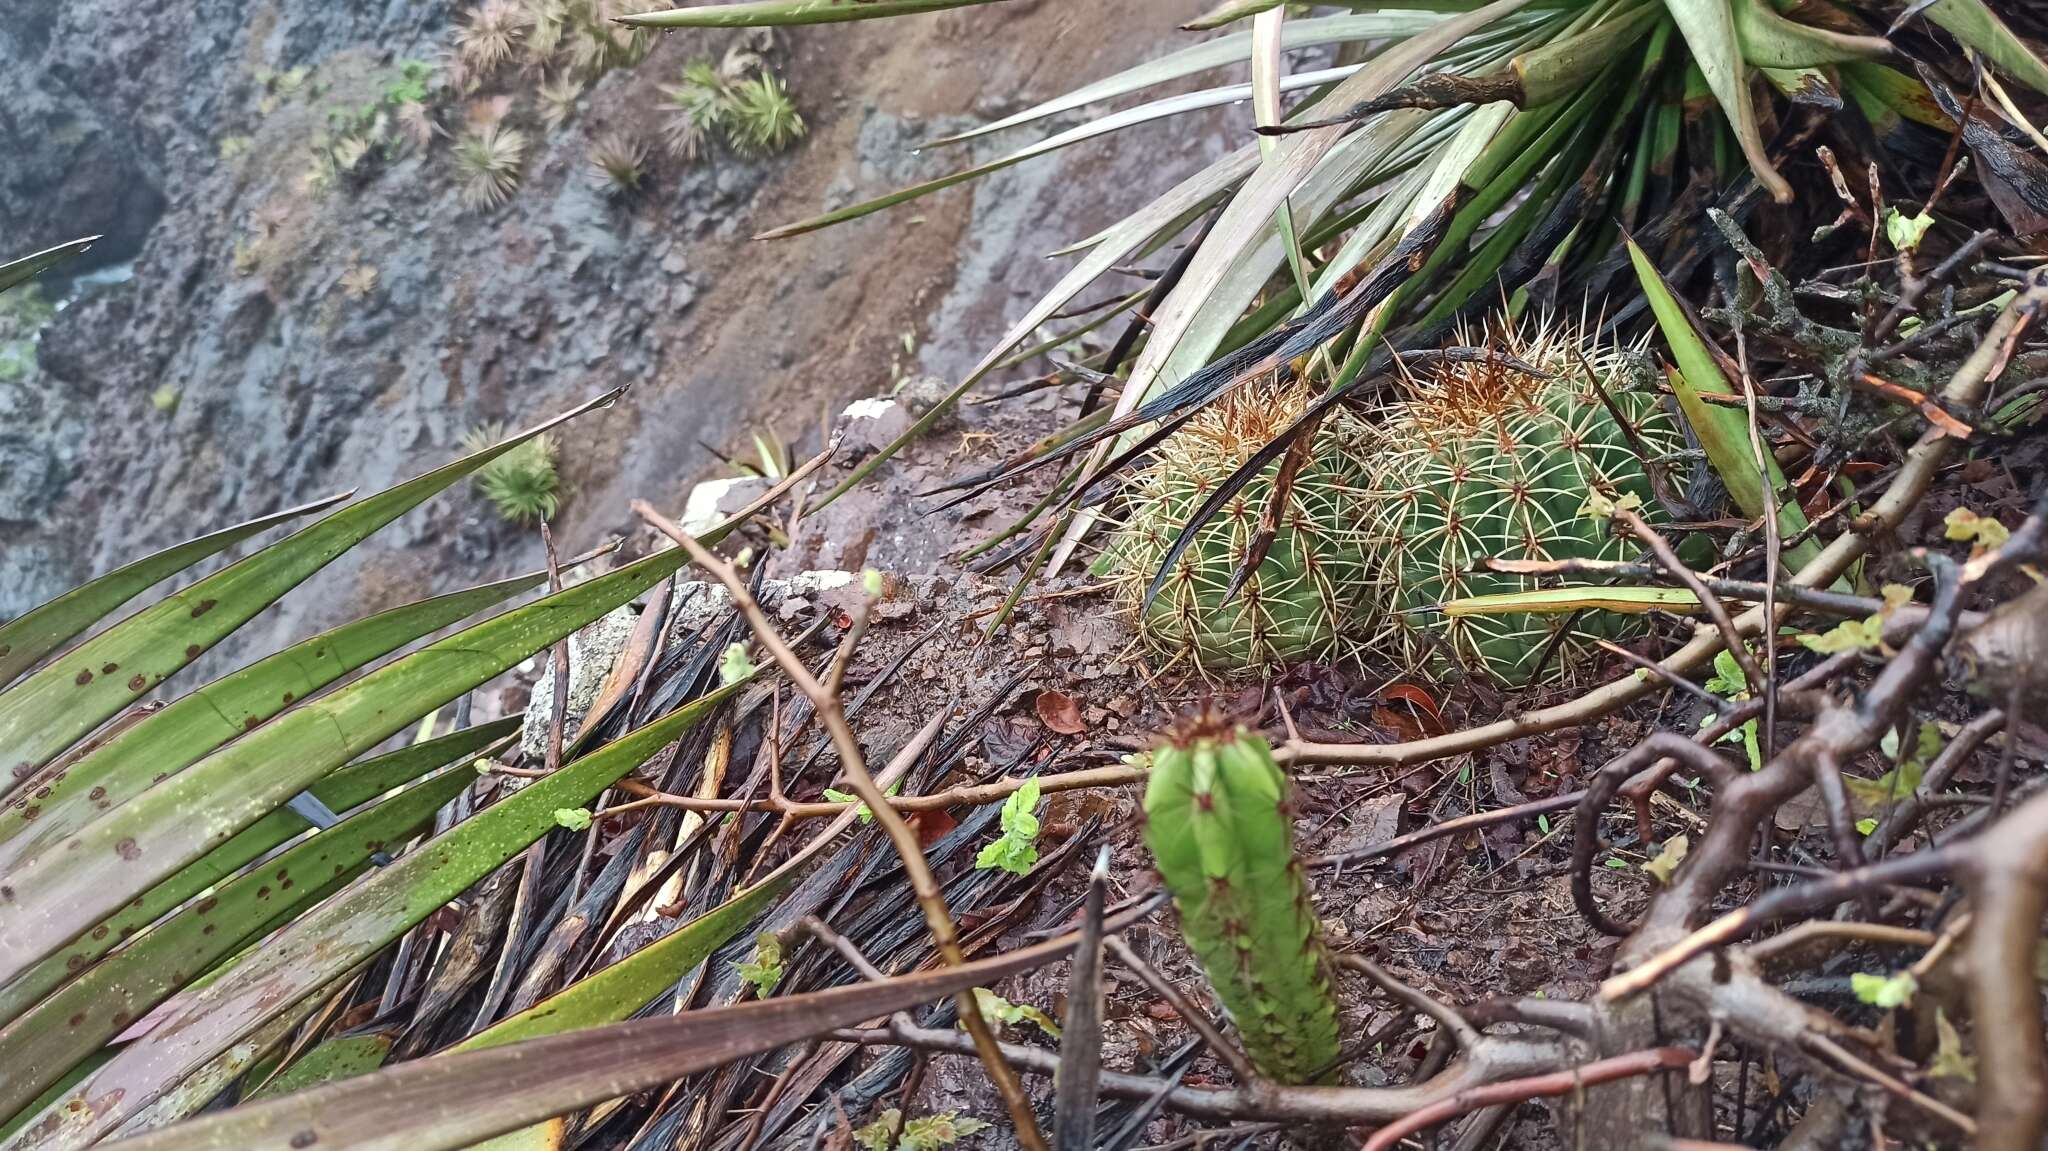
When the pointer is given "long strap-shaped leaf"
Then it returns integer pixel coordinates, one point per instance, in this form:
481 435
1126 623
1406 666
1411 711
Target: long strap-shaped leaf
1709 30
43 714
339 934
776 13
451 1102
40 1046
1251 210
1975 24
118 856
173 739
1215 53
345 789
39 631
1115 121
28 267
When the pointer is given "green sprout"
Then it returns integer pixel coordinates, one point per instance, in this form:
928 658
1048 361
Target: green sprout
1016 850
698 104
764 118
764 971
487 159
521 484
618 162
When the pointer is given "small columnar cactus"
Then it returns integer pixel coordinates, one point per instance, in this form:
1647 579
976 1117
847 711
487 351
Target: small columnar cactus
1305 599
1482 461
1217 824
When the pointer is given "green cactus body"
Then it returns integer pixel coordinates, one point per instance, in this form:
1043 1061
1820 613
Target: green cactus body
1302 601
1217 825
1486 461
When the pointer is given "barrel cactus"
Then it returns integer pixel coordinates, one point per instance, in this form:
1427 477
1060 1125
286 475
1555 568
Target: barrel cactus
1217 824
1483 460
1303 602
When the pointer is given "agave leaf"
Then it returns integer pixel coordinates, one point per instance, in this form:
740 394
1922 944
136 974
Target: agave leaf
345 789
68 1026
1975 24
1771 41
1268 69
52 707
41 630
1114 121
1709 30
777 13
342 1057
1559 600
344 931
1216 53
201 1087
166 743
15 272
457 1100
1229 12
127 850
1250 211
1723 432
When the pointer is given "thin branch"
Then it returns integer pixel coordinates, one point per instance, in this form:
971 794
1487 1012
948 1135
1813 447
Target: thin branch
938 920
1197 1020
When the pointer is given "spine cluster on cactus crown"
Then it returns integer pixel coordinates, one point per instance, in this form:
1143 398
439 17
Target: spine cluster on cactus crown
1487 460
1302 602
1216 821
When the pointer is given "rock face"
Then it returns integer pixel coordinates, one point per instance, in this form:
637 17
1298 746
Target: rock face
276 343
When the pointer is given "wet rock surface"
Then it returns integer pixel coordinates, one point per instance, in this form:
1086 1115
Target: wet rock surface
275 344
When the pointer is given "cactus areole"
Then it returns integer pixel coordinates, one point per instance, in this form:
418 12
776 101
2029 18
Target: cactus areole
1216 821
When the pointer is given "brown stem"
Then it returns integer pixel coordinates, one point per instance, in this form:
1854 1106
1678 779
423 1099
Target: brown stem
938 920
1534 1087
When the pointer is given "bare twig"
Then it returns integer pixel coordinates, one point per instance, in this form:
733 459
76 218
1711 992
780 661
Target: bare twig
930 899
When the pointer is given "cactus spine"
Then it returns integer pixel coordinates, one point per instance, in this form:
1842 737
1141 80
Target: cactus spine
1217 825
1301 603
1487 461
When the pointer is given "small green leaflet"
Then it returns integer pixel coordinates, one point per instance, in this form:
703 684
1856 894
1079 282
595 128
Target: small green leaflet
926 1133
735 666
862 811
1905 232
1949 1060
1003 1011
764 970
1886 991
1728 683
573 818
1015 852
1849 635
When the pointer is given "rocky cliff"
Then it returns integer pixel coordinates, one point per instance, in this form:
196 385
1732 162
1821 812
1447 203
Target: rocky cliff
287 333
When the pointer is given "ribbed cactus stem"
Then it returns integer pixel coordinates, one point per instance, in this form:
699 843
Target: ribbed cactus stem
1301 601
1216 821
1488 461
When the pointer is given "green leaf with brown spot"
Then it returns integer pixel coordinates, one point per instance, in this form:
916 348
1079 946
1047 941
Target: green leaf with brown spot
39 631
344 790
49 709
144 754
21 271
70 1025
342 932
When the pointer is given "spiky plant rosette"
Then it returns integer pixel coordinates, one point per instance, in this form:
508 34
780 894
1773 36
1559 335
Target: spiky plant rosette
1311 595
1485 460
522 484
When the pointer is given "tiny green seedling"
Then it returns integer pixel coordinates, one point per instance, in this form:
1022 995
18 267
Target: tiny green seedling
764 971
1017 849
